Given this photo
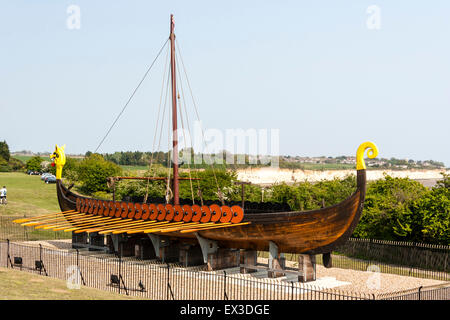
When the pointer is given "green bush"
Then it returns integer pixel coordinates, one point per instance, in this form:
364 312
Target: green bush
4 167
4 151
404 210
138 188
34 163
387 211
433 211
93 172
15 164
308 196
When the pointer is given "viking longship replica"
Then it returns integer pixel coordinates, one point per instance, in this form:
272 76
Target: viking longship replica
213 228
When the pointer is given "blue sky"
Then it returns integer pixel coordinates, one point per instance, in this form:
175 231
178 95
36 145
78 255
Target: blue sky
309 68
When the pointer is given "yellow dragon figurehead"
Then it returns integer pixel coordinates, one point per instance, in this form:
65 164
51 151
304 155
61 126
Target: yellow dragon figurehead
59 160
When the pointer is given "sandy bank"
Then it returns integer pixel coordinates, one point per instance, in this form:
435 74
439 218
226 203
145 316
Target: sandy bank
274 175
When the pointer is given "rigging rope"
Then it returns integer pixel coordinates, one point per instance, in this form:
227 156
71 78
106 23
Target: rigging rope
132 95
219 192
163 115
169 162
157 124
199 193
184 136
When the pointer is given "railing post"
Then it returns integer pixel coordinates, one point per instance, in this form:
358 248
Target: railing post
168 281
78 267
225 296
7 253
420 289
169 288
292 290
25 230
40 258
410 258
120 264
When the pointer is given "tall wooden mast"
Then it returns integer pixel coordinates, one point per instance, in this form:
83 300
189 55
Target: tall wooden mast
176 197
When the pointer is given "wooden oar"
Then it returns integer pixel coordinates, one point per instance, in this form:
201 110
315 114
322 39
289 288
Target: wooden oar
222 225
119 225
162 224
138 228
72 215
72 220
55 217
38 217
130 225
182 227
68 224
100 227
153 230
84 224
80 224
93 225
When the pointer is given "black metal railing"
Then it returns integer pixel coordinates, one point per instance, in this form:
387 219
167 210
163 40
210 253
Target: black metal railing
436 292
156 281
409 254
402 258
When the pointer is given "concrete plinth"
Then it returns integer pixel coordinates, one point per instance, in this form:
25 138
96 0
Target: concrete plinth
96 239
80 238
276 261
110 243
143 249
169 252
248 257
223 258
127 247
190 255
279 264
327 261
307 265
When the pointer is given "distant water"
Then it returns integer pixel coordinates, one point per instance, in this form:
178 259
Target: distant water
427 182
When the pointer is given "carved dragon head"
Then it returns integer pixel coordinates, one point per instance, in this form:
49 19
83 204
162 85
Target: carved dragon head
59 160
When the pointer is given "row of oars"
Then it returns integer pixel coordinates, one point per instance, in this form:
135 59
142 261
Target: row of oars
77 222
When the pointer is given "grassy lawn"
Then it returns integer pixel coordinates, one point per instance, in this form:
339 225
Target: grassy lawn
135 168
23 158
27 195
20 285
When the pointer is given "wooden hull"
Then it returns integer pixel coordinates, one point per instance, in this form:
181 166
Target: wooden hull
312 232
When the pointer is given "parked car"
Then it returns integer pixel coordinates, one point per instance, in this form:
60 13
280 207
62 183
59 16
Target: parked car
50 179
44 175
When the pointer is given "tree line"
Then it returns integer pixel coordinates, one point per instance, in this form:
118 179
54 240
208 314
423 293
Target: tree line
8 163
